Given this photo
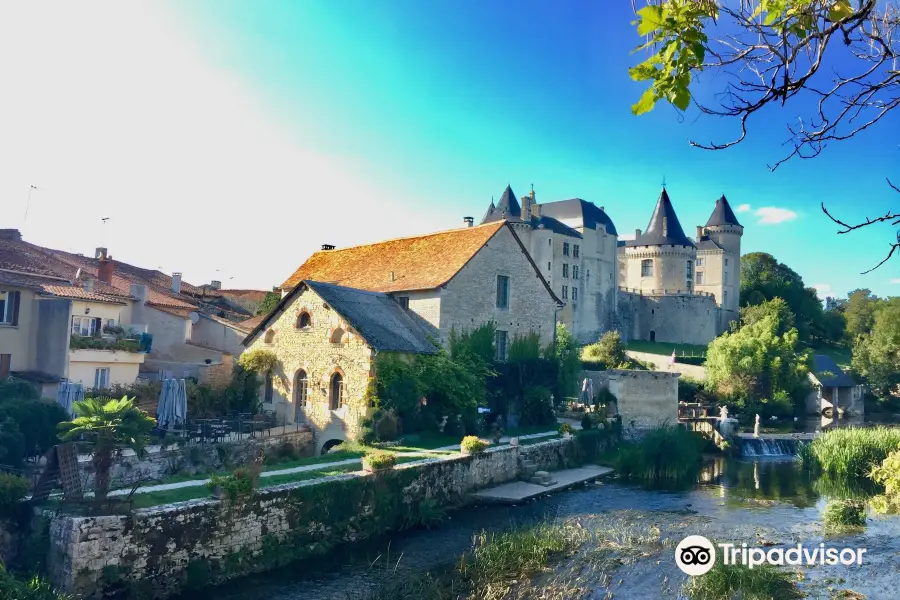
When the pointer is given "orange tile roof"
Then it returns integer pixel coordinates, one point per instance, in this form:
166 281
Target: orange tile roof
251 323
418 263
71 291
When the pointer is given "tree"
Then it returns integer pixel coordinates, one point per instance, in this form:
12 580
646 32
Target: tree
840 54
876 355
764 278
758 364
565 353
268 304
609 350
776 308
859 311
110 426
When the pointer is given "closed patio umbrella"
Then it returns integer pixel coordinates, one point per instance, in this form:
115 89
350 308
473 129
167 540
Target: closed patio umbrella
164 408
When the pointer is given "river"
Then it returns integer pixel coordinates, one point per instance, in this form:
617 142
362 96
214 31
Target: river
766 501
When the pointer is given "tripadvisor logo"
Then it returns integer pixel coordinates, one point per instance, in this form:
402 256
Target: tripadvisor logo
696 555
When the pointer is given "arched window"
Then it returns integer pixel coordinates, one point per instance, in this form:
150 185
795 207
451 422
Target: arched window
647 267
270 336
269 390
336 393
337 336
304 320
301 389
690 269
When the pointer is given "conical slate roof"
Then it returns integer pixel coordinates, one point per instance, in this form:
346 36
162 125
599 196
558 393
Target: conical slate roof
722 214
664 228
507 209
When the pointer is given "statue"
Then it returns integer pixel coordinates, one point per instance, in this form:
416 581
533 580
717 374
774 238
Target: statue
723 413
756 427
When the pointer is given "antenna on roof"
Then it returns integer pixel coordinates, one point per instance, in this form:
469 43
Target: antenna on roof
103 231
664 182
78 274
27 205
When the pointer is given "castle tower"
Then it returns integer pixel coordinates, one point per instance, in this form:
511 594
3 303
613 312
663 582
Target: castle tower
722 257
661 260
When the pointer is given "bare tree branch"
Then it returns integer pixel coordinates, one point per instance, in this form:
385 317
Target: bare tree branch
847 228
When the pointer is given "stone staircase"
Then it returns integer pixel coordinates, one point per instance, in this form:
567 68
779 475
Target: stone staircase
528 472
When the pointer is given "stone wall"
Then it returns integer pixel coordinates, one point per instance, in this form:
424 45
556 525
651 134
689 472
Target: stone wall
470 298
161 551
678 319
310 351
661 362
160 463
217 375
645 398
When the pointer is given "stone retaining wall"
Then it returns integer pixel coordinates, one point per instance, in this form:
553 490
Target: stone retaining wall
200 459
154 553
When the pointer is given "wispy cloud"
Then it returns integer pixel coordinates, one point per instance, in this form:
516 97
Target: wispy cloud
823 289
896 281
743 208
773 215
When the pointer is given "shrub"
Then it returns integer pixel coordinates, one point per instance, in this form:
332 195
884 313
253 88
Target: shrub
386 426
762 582
851 452
608 350
30 589
536 407
13 489
472 445
240 483
259 360
379 461
666 453
37 421
566 428
844 514
888 475
586 422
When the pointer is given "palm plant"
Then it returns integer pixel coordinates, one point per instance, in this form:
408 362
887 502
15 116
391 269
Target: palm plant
110 425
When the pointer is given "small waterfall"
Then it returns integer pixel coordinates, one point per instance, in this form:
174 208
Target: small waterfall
769 447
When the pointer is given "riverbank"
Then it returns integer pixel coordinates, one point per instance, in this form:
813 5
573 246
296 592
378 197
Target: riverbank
190 545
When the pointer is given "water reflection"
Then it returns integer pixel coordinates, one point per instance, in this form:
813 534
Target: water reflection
781 480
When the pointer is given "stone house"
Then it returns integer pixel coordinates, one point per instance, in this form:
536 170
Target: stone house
326 338
833 390
460 279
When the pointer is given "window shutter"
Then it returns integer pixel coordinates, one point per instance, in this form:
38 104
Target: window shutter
5 360
15 307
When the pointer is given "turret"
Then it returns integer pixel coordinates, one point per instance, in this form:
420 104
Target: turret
723 227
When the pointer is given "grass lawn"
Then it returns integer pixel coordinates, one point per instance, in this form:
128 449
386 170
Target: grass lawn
201 491
288 464
666 349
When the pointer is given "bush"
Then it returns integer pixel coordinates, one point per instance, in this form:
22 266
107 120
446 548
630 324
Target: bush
566 428
472 445
586 422
13 489
259 360
36 420
851 452
844 514
887 474
30 589
386 426
608 350
240 483
666 453
379 461
536 407
762 582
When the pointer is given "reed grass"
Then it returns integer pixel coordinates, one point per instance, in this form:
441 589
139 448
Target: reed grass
841 515
850 452
666 453
724 582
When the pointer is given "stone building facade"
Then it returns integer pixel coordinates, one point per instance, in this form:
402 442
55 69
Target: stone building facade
326 338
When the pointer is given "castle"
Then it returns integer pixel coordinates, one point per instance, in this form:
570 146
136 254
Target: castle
661 286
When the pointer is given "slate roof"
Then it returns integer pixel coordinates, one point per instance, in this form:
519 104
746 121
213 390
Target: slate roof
423 262
722 214
664 228
586 214
705 243
545 222
376 316
837 378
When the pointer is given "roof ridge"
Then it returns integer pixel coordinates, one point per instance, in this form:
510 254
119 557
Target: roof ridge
496 224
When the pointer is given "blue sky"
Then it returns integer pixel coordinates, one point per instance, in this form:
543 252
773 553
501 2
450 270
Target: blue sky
301 123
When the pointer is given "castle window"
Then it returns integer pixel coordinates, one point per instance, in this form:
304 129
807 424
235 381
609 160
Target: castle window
699 262
647 267
699 277
500 339
565 270
502 291
726 262
336 397
575 250
565 248
403 301
301 389
689 285
690 269
269 389
565 292
574 294
304 320
549 268
724 296
337 336
575 270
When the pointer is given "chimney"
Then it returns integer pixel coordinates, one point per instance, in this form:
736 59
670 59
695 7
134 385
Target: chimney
10 234
138 291
216 285
469 221
536 210
327 247
106 268
88 285
100 253
392 276
637 233
176 283
699 232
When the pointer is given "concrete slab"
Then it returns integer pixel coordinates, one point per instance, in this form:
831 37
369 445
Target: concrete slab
517 492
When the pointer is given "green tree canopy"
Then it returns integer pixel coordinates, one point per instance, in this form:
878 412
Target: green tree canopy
876 355
268 304
859 312
761 361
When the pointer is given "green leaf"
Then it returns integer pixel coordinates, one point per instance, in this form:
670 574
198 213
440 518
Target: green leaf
840 10
682 98
645 104
651 19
